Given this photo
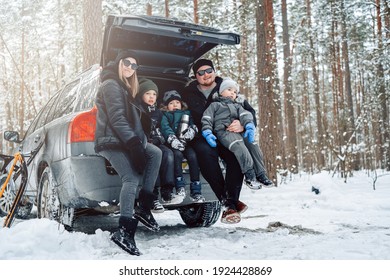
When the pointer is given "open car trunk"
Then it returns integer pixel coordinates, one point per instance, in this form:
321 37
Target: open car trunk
164 47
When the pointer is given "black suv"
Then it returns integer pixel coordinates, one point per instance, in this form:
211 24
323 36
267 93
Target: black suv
67 177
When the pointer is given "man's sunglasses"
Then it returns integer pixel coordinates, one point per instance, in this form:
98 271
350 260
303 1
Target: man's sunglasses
208 71
128 63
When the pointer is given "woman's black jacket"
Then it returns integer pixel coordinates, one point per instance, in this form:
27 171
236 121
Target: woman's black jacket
119 118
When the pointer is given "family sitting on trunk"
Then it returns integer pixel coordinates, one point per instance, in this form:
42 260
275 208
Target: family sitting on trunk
147 144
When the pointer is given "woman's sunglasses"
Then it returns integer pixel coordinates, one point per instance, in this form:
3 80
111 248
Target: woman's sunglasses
128 63
208 71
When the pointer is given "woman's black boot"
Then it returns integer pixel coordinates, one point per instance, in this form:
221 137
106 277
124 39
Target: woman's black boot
145 216
124 237
142 210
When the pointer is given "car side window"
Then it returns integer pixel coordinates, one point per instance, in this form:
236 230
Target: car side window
40 119
87 93
64 103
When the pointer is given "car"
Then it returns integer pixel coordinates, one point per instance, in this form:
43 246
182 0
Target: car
66 177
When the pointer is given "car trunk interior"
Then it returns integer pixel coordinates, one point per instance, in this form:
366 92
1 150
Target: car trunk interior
165 84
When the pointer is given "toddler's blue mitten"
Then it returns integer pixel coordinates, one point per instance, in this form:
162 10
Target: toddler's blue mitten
210 137
250 132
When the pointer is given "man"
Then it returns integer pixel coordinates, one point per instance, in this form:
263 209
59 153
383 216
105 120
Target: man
198 95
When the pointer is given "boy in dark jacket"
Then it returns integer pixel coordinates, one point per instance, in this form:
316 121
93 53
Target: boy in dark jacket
147 98
175 114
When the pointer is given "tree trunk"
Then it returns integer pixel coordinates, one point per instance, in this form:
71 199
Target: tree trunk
149 11
167 8
21 97
266 53
243 73
386 15
320 130
196 16
384 115
92 32
350 116
291 131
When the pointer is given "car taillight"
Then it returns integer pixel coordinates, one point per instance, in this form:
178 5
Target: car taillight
82 127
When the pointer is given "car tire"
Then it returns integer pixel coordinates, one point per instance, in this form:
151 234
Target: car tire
200 214
49 205
48 202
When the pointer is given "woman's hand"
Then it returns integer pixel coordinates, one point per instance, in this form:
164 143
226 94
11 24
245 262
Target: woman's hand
235 126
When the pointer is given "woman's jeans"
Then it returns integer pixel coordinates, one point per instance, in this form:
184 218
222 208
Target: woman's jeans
120 161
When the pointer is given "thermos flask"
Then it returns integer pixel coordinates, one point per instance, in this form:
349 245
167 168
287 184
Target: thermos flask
183 126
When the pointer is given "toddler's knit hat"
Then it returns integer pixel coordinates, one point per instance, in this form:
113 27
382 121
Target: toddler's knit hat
146 85
228 83
171 95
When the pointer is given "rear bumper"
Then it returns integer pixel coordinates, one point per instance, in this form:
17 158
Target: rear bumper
85 182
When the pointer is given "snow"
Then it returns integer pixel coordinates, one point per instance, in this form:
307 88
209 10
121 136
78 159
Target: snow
344 221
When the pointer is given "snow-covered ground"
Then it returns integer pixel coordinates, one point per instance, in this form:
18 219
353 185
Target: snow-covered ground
344 221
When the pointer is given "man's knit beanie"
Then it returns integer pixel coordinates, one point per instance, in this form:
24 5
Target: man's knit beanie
200 63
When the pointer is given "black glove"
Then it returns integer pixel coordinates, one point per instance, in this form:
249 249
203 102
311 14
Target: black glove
137 154
157 137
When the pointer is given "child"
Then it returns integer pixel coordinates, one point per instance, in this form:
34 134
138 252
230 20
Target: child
218 116
147 98
173 111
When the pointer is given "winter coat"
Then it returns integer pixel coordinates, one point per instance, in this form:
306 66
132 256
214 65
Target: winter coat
155 136
222 112
171 120
197 102
119 118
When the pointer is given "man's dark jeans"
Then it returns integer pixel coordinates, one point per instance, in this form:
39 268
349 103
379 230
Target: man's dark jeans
227 188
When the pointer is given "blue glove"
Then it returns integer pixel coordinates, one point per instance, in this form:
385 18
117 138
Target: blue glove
210 137
250 132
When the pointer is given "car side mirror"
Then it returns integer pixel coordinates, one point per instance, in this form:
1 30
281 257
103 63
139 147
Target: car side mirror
12 136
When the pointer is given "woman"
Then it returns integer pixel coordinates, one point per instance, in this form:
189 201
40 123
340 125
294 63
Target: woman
120 138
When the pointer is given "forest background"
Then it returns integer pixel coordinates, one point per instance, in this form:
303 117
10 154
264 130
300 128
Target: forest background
317 71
